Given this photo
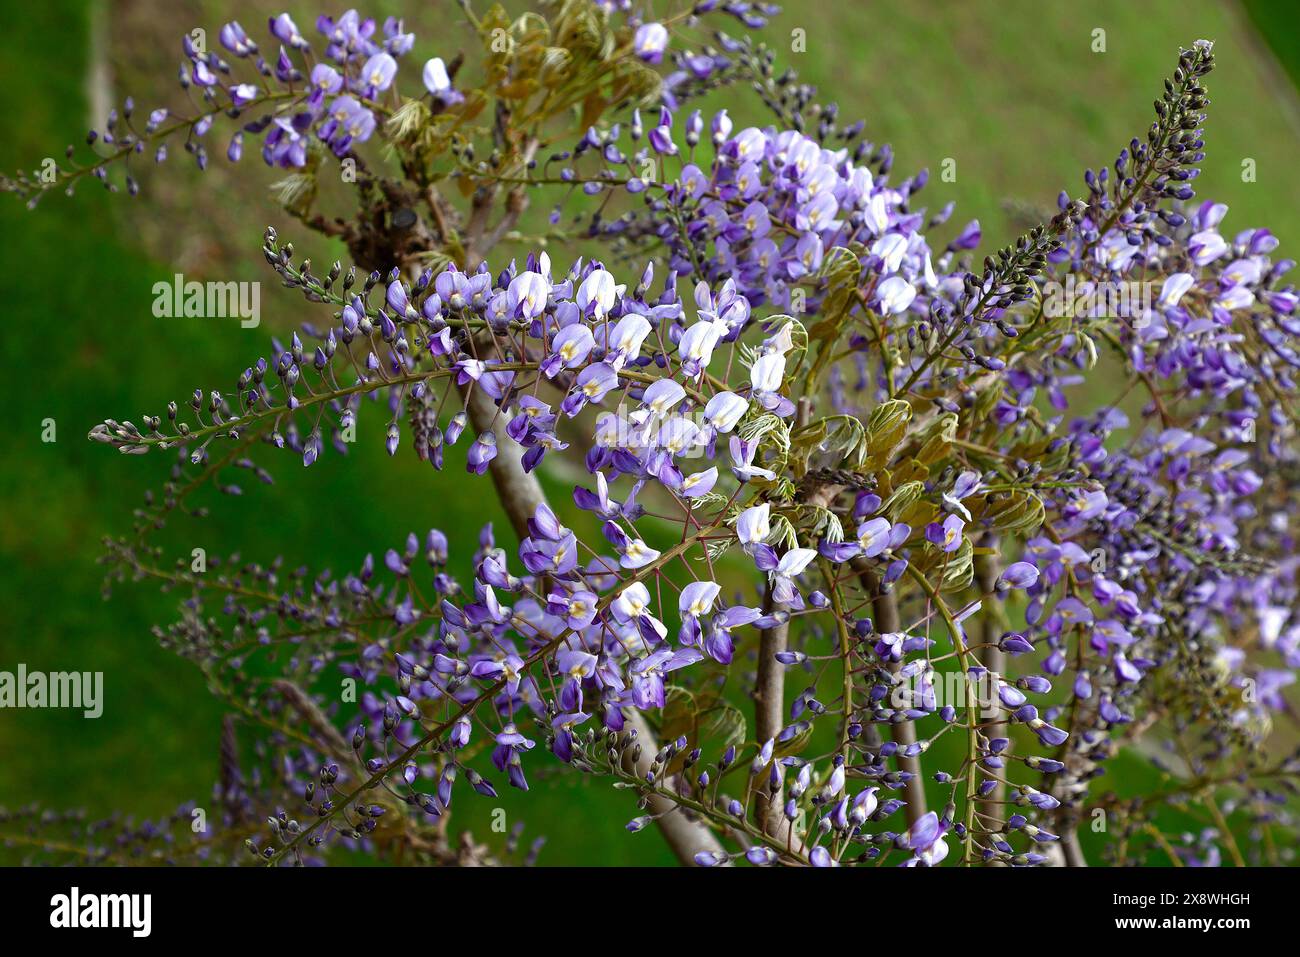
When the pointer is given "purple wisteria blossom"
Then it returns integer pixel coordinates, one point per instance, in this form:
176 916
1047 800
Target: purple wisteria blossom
812 540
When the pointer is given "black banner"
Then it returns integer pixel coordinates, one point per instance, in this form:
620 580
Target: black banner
250 905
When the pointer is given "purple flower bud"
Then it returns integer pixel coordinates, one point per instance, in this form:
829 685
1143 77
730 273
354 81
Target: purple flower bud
1019 575
481 453
711 858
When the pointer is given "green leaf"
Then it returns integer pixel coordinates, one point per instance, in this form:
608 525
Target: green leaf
699 717
840 270
1016 512
886 429
903 498
725 724
961 567
938 444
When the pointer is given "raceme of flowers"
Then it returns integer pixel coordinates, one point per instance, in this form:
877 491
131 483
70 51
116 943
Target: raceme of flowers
331 88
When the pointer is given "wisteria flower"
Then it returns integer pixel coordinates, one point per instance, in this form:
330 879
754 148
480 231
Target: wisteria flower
650 42
648 674
947 535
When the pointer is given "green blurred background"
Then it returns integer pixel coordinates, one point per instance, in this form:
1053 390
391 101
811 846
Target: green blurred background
1012 91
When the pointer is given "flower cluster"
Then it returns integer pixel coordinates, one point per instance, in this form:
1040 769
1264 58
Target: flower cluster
820 450
329 89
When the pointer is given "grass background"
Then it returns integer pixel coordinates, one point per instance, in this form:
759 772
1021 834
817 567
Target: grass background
1012 91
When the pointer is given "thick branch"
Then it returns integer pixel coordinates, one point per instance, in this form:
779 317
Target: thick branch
995 660
884 611
1072 848
769 705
